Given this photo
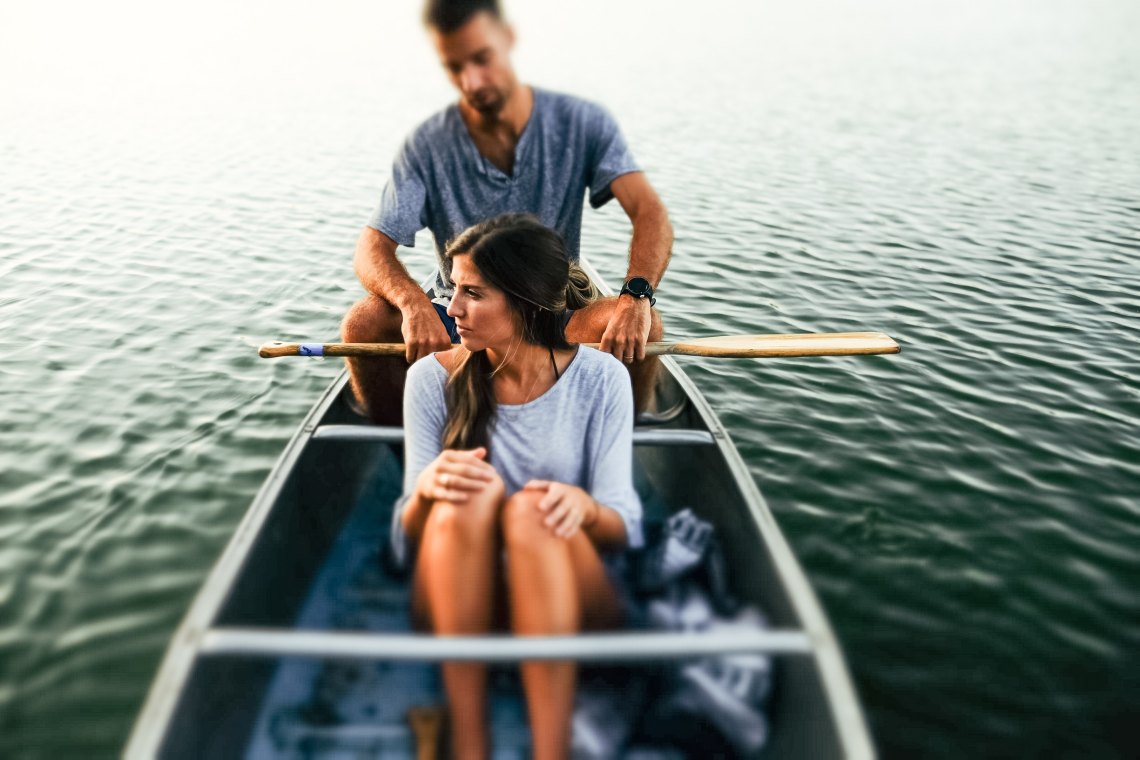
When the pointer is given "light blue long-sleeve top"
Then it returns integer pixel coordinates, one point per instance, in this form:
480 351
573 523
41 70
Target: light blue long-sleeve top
579 432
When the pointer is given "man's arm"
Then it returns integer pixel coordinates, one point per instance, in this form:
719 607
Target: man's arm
652 242
381 273
649 252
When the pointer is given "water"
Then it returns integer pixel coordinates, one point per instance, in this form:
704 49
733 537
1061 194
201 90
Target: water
179 184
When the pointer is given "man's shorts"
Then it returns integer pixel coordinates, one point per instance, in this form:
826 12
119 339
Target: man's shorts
448 322
441 305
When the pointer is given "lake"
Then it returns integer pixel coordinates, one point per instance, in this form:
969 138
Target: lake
181 183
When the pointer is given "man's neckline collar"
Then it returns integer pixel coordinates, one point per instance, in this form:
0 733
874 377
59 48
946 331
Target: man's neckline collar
482 163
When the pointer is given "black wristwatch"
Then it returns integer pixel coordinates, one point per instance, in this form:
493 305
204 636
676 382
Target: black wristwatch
638 287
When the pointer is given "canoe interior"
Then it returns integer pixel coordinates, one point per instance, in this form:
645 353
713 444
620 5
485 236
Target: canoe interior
315 564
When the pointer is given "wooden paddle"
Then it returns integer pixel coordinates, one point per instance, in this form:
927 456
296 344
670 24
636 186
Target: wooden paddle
427 725
723 346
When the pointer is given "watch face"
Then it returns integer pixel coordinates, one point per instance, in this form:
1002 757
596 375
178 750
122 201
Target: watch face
638 286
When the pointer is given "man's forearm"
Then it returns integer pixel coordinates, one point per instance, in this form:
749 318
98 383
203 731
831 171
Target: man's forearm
651 245
380 271
652 241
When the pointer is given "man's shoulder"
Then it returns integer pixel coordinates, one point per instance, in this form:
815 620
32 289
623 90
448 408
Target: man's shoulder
567 106
435 129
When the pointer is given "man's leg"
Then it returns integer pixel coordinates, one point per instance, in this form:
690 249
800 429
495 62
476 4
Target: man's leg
587 326
377 382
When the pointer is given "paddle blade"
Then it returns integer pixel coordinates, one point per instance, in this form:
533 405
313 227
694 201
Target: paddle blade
766 346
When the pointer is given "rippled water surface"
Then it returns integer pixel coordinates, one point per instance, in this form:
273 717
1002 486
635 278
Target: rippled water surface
178 184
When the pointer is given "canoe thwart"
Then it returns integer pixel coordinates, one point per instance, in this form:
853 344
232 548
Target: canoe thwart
379 433
383 434
606 647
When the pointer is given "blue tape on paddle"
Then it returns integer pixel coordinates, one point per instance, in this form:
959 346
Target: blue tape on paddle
311 349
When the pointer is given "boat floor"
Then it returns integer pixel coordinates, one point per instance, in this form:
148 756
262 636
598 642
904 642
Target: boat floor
337 709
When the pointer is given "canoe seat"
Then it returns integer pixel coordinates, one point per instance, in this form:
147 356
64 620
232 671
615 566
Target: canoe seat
383 434
593 647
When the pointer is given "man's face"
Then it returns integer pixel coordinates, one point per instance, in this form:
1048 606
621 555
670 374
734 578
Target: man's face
476 57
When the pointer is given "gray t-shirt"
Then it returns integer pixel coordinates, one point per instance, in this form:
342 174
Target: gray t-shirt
579 432
440 180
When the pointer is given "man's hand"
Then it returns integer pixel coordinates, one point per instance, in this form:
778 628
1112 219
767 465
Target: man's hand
423 332
628 330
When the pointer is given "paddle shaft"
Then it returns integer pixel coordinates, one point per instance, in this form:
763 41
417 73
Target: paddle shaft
728 346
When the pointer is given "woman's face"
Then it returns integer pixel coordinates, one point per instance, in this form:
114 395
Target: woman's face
482 315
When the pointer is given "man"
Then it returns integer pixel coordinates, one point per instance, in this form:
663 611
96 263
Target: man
504 147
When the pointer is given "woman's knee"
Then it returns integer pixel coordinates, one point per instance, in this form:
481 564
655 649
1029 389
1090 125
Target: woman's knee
470 520
522 521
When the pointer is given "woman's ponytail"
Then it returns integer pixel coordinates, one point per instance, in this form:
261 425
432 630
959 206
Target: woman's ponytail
580 291
470 402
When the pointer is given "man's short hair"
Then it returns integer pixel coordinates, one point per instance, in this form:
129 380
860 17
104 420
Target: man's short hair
448 15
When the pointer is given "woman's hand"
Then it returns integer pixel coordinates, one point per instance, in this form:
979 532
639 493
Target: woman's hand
456 474
567 507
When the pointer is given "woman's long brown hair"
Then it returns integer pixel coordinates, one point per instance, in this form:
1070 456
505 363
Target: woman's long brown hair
526 260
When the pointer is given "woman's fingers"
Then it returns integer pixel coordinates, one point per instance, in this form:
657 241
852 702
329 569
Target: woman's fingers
440 493
468 471
569 524
461 481
564 512
555 504
556 514
555 493
476 458
464 470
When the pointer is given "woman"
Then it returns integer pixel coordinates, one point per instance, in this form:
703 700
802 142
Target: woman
518 485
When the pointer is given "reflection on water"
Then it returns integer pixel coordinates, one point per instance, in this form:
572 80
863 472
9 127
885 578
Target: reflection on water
964 178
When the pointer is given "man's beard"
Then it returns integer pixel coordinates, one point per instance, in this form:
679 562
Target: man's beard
488 101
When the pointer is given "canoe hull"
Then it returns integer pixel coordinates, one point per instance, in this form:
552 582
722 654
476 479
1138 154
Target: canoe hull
212 706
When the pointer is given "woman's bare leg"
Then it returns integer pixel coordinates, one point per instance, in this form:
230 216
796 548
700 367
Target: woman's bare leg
557 586
455 592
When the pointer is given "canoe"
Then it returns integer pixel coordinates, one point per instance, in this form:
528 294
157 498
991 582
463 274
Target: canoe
298 643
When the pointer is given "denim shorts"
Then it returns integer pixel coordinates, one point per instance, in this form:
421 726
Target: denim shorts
448 322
